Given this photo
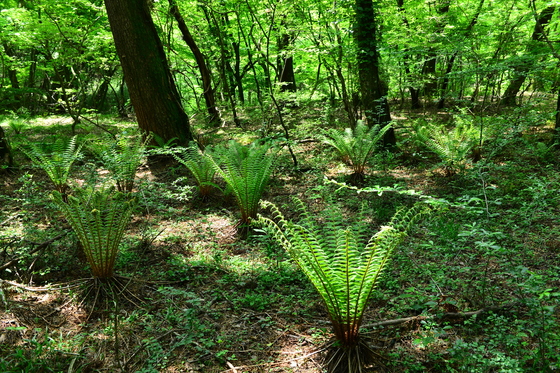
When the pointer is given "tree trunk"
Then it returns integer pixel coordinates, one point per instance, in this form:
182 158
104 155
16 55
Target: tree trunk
373 90
468 32
213 116
151 86
520 72
556 138
5 150
286 63
429 68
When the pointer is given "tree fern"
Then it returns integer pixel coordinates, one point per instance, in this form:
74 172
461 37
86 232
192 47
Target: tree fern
246 170
200 165
344 266
57 163
99 219
355 145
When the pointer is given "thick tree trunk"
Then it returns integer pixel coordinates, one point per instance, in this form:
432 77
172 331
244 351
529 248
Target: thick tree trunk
373 90
213 116
152 90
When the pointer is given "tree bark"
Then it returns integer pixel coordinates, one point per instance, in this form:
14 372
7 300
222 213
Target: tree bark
151 86
373 90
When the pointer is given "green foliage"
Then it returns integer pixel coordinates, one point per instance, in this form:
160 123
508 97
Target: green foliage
57 163
122 158
38 354
452 146
355 145
200 165
99 219
343 265
246 170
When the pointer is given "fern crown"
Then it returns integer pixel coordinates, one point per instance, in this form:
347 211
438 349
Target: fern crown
122 158
58 162
200 165
355 145
343 265
99 219
246 169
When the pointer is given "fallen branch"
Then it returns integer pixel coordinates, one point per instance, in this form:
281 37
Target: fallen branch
39 289
242 367
40 246
447 315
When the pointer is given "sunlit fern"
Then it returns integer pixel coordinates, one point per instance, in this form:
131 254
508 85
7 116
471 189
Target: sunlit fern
200 165
246 169
344 265
57 163
452 146
121 158
99 219
355 145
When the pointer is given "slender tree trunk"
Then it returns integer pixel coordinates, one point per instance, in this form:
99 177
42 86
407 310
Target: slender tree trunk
151 86
520 72
213 116
237 72
451 63
414 92
557 121
429 68
12 76
373 90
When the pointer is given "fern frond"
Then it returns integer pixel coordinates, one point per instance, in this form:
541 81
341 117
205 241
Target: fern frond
453 146
355 146
99 219
122 158
57 163
342 266
200 165
246 170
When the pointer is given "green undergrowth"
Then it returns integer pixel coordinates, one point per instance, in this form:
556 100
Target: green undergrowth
197 297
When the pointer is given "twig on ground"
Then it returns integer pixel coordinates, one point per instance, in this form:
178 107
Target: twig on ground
242 367
40 246
447 315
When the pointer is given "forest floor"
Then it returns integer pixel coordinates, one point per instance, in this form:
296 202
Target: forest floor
478 282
